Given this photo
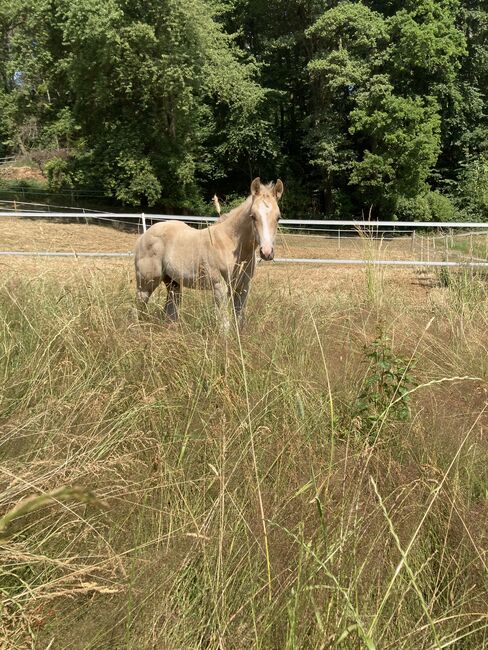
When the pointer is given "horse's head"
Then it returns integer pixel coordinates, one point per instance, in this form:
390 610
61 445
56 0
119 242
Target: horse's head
265 215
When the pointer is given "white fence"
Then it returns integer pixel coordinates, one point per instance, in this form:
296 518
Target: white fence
304 224
339 229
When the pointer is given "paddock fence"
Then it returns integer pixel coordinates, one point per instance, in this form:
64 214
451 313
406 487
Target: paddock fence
345 242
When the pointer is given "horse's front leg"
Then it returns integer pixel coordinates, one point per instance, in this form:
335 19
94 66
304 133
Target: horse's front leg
240 295
241 291
173 299
221 296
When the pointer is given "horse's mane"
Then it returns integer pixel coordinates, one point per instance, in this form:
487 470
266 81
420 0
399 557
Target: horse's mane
234 211
269 187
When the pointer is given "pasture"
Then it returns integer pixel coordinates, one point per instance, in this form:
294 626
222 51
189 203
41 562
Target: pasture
318 481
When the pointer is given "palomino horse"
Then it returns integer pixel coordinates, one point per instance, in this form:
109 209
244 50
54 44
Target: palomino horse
221 257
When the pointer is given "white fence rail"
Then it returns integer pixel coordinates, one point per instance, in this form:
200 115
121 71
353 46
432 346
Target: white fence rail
284 223
282 260
341 228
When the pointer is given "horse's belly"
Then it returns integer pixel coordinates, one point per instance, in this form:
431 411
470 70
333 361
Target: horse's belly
197 281
193 273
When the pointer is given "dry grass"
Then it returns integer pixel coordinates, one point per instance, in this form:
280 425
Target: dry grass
152 454
41 235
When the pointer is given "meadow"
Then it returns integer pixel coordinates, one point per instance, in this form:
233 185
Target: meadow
318 481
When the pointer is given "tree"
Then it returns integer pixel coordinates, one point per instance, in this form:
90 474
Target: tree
140 88
383 82
361 103
349 41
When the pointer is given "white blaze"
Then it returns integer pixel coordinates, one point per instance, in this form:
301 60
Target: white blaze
265 211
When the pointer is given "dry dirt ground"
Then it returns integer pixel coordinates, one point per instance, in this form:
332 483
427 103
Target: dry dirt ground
12 173
40 235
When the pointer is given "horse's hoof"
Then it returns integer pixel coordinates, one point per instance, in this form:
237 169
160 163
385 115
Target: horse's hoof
135 315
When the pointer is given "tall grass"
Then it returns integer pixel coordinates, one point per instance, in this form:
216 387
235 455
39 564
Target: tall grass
188 490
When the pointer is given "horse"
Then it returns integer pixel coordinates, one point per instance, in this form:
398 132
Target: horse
221 257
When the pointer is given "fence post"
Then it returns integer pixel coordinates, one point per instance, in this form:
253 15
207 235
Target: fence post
413 240
339 239
143 216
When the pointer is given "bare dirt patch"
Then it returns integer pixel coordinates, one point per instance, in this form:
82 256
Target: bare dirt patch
10 173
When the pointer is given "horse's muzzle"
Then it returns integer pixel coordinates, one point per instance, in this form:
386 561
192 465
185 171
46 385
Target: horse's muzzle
266 254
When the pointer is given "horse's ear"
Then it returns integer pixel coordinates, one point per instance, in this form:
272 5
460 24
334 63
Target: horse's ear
256 186
278 189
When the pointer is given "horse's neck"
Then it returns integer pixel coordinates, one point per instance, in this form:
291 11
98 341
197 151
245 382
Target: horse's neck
237 224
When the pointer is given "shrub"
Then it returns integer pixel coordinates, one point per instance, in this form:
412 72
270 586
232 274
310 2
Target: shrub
60 174
415 209
441 207
432 206
474 189
385 388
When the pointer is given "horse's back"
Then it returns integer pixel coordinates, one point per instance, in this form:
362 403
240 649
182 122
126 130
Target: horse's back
175 250
160 238
163 232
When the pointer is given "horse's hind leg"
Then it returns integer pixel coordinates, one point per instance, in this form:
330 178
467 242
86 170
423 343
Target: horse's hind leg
148 279
173 299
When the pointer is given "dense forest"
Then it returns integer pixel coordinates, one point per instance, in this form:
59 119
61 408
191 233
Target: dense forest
372 107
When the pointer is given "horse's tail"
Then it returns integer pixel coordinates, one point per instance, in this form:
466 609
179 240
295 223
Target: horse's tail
216 203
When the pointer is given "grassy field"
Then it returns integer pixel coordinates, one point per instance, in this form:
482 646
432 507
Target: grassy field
319 481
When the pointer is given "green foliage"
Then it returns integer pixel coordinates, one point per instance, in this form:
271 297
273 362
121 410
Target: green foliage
385 389
441 207
379 80
404 136
133 180
60 174
474 188
431 206
296 201
428 43
359 106
351 41
141 90
412 209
